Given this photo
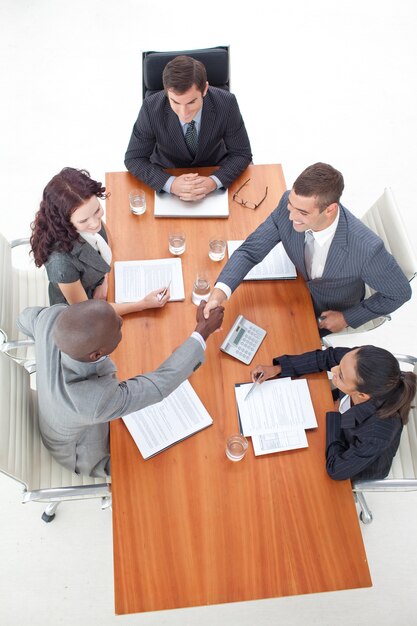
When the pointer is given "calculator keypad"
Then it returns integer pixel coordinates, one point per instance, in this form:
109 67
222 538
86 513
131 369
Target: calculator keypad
248 343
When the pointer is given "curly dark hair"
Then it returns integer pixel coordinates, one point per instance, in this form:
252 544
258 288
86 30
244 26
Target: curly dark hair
52 229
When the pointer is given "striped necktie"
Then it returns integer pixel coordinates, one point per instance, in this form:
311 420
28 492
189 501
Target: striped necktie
191 138
309 251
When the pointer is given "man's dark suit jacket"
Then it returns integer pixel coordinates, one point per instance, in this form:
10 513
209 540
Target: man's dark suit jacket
359 445
157 140
357 256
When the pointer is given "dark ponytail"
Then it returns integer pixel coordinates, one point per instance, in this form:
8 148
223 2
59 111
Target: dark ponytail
379 375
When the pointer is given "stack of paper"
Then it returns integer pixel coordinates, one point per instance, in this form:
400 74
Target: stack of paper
159 426
135 279
216 204
276 414
276 264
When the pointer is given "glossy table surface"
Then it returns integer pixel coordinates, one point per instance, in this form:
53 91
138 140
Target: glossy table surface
191 527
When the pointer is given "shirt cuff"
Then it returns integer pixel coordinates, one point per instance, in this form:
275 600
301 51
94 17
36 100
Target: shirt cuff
226 290
168 184
217 181
199 338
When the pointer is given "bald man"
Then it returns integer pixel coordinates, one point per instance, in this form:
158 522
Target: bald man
78 390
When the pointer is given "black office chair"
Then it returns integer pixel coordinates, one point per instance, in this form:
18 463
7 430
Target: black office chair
216 61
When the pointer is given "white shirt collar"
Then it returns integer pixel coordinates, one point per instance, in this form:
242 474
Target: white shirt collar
321 236
197 120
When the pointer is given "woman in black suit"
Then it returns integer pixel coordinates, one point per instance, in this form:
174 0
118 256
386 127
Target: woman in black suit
372 402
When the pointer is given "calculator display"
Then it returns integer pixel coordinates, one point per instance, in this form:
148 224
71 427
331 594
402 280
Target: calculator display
240 332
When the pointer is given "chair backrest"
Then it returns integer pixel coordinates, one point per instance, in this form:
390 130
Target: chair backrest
405 461
385 220
216 61
21 285
23 456
6 309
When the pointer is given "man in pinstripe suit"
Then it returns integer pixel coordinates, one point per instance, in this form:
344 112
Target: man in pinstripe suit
189 124
341 256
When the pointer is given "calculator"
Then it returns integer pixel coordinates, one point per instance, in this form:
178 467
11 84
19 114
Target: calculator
243 340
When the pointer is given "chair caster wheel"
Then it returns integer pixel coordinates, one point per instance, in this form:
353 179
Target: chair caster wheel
366 518
48 518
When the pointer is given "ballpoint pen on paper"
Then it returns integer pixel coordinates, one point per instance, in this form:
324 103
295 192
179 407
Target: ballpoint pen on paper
256 382
163 293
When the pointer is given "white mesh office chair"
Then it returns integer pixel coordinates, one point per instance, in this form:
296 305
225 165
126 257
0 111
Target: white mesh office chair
20 287
24 458
385 220
403 474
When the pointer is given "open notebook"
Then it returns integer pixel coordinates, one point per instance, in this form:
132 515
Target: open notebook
135 279
159 426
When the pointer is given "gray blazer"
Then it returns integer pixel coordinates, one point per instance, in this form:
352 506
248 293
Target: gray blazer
356 256
77 400
83 263
158 142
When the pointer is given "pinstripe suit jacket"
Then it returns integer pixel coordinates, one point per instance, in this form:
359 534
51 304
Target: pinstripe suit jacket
158 142
356 257
358 443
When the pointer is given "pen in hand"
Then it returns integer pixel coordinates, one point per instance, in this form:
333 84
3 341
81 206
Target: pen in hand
257 380
258 377
164 292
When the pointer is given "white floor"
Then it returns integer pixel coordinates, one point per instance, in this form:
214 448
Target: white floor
330 81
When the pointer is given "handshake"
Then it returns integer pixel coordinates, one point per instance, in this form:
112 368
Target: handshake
213 322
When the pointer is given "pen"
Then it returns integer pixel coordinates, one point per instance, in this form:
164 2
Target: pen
163 293
258 378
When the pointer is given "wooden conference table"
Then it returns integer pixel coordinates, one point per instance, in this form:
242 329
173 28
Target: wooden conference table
191 527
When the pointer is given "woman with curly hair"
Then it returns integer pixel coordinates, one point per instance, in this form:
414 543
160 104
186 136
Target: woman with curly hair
70 240
373 398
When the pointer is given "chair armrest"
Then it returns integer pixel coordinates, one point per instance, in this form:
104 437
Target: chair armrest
19 242
406 358
387 484
6 346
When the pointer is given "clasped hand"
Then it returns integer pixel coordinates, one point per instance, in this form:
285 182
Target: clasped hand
207 326
192 187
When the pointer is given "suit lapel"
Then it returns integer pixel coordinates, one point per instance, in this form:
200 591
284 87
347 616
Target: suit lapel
89 256
298 252
208 118
338 249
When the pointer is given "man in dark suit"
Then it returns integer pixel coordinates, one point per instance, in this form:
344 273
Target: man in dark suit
334 251
189 124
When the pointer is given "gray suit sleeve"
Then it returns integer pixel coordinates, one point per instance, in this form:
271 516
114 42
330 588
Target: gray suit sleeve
26 321
141 391
252 251
383 274
139 151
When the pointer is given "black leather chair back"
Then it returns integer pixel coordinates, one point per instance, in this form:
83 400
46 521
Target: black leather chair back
216 61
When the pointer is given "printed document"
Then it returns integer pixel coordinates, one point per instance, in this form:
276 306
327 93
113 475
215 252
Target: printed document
135 279
175 418
216 204
276 414
275 265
